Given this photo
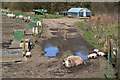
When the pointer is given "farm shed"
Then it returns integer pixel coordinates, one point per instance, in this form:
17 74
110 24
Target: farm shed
79 12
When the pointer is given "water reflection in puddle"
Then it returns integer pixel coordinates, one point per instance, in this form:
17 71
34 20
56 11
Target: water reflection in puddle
81 55
51 51
6 45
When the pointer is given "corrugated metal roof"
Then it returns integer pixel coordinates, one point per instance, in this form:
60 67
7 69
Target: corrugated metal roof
78 10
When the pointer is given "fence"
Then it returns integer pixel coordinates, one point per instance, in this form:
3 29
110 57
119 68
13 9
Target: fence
103 28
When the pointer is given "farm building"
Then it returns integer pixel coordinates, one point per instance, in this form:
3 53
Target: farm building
79 12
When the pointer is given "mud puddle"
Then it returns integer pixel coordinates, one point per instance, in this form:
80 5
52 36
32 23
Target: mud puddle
71 30
54 33
54 29
56 45
6 44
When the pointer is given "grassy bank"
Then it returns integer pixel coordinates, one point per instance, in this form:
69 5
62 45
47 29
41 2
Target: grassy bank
88 35
92 35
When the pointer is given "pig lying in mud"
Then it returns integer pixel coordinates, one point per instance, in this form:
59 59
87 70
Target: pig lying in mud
73 61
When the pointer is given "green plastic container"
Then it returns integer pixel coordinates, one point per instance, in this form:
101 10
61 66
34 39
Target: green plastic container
18 35
32 17
25 15
37 19
31 25
10 12
17 14
6 12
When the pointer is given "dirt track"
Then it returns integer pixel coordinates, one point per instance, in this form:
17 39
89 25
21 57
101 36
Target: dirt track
39 66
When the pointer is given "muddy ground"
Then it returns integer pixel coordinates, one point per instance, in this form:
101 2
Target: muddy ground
39 66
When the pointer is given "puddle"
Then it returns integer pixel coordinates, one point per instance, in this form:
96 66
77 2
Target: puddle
71 30
51 51
62 23
82 55
53 33
69 26
54 29
6 45
76 45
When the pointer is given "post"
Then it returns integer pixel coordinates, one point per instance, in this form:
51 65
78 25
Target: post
24 44
108 56
117 62
105 44
41 25
34 33
38 29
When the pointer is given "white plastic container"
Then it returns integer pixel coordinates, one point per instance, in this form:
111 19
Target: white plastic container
38 22
35 30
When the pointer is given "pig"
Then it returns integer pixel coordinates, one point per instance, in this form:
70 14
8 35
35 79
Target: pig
73 61
99 53
25 18
92 55
8 15
11 16
20 16
28 54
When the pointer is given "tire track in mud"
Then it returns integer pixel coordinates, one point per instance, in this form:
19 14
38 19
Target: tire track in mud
59 27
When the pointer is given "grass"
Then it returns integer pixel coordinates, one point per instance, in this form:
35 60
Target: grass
88 35
111 31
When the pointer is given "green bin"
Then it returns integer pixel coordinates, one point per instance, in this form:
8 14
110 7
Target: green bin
31 25
18 35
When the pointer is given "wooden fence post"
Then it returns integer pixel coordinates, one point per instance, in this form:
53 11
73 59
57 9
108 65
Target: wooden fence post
24 44
117 63
34 33
108 56
38 29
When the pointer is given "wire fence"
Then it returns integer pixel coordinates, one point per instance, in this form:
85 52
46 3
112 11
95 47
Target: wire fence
104 27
